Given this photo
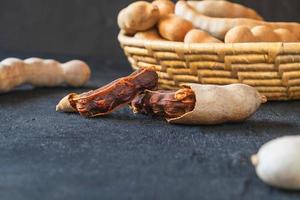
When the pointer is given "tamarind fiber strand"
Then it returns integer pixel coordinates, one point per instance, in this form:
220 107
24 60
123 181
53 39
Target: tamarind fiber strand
272 68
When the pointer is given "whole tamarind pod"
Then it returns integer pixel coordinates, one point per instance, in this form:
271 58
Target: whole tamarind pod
224 9
168 104
42 73
111 96
201 104
277 162
218 27
138 16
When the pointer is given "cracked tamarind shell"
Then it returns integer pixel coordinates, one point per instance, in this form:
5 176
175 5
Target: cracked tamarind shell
219 104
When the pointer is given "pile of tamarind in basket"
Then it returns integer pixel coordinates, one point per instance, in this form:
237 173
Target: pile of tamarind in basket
202 22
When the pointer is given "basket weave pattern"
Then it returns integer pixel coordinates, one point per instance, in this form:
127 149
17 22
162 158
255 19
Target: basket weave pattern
273 68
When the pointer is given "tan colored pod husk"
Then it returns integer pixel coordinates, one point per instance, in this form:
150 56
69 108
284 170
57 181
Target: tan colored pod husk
265 34
285 35
199 36
277 162
138 16
174 28
165 7
151 34
219 104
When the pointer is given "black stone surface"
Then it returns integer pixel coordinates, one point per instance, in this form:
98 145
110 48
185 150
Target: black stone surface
49 155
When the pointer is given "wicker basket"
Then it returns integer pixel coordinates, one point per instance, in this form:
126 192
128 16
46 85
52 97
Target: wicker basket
273 68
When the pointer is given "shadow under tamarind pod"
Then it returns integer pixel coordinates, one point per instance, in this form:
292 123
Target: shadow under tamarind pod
198 104
114 95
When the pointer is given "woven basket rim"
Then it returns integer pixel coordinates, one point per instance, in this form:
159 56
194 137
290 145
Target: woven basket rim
226 48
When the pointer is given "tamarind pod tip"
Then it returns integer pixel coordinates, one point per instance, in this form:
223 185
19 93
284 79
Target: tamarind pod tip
263 98
64 104
254 160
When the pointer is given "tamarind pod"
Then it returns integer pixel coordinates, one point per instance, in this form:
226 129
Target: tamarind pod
260 33
277 162
167 104
174 28
138 16
111 96
224 9
219 104
199 36
42 73
218 27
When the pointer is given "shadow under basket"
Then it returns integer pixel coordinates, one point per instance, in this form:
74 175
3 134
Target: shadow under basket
272 68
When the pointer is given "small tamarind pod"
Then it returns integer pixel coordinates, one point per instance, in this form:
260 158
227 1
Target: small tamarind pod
138 16
42 73
111 96
277 162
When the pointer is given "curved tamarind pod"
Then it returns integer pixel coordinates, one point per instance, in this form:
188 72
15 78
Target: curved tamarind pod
218 27
220 104
114 95
224 9
41 73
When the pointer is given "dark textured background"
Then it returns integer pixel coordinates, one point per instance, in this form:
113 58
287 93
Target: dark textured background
88 27
49 155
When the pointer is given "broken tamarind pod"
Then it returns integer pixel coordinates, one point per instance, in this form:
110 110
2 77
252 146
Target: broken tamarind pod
109 97
42 73
168 104
201 104
277 162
